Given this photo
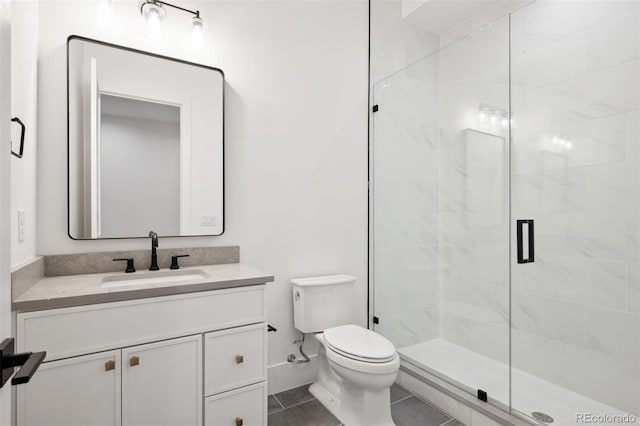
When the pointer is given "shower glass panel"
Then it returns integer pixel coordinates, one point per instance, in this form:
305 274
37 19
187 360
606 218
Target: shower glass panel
441 212
575 309
533 120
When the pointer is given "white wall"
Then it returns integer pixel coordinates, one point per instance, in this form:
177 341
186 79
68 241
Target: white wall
139 176
24 68
296 134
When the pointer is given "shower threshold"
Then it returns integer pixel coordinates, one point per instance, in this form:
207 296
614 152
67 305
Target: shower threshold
471 371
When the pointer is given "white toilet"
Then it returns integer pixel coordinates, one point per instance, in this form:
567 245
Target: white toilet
356 366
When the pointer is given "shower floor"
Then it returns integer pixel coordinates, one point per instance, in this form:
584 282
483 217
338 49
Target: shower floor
477 371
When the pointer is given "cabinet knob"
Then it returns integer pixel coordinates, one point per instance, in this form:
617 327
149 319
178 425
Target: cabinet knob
133 361
109 365
239 360
239 421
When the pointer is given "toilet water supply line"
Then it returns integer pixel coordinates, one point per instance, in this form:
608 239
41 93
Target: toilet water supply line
292 357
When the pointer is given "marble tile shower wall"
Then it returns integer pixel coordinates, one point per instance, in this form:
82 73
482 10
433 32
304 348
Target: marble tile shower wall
405 204
575 100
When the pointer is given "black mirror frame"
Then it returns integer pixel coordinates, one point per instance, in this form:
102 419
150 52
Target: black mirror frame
129 49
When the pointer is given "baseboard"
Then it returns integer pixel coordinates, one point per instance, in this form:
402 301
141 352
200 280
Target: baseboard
288 375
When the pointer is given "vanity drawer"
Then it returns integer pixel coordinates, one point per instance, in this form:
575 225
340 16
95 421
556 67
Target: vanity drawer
241 407
79 330
235 357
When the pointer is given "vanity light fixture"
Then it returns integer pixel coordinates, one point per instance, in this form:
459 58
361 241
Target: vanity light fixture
488 115
154 12
561 142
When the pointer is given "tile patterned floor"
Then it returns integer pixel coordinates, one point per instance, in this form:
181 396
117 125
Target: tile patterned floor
297 407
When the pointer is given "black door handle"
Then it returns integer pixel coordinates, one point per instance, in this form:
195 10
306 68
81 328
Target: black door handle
27 361
22 132
32 361
530 240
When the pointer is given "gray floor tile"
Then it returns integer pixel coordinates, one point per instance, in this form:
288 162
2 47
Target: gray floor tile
414 412
274 405
398 393
310 413
294 396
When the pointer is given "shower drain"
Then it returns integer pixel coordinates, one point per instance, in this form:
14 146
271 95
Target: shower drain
545 418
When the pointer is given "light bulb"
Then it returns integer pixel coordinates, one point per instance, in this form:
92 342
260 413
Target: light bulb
568 145
154 14
555 139
493 118
482 115
153 24
197 30
197 24
151 10
504 122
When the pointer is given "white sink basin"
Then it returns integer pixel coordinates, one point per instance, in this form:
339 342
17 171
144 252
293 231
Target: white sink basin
157 277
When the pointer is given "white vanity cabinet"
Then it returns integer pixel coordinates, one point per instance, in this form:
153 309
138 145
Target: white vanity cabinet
78 391
190 359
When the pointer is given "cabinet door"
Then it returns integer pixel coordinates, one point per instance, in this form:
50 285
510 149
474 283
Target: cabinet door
83 390
162 383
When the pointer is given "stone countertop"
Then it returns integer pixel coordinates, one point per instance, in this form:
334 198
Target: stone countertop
87 289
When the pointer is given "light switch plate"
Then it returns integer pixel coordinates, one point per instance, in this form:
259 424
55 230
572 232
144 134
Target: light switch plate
21 226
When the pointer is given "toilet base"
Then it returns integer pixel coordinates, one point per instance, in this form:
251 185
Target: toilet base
326 398
377 415
351 404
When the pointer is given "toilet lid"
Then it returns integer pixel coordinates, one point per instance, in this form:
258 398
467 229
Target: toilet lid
359 342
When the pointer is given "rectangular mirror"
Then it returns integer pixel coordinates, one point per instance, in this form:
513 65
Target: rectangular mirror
146 143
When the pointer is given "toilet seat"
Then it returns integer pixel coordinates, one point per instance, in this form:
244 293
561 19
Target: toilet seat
372 368
359 344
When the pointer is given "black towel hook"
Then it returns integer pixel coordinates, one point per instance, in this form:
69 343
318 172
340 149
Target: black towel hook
19 153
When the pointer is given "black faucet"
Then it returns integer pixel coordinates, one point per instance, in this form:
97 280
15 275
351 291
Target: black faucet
154 255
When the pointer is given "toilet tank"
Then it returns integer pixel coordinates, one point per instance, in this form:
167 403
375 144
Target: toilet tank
320 303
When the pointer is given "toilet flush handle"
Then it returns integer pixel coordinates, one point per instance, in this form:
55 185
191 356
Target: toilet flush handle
297 296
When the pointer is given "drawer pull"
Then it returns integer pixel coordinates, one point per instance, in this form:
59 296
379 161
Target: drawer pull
133 361
239 421
239 360
109 365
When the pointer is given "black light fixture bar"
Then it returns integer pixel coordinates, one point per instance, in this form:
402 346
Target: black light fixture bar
196 13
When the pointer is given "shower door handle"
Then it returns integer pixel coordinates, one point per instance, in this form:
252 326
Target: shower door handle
520 224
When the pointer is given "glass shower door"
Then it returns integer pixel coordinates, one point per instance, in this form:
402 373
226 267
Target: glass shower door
440 203
575 348
405 209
